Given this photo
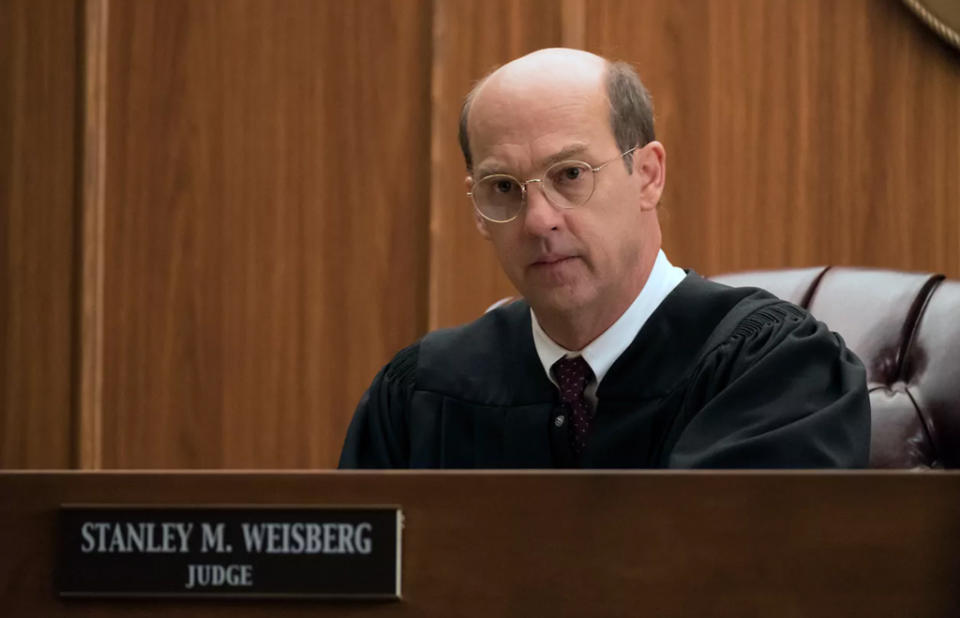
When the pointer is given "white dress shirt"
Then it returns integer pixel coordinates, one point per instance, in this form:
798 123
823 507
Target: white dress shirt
601 353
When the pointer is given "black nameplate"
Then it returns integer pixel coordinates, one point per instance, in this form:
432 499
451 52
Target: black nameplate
283 552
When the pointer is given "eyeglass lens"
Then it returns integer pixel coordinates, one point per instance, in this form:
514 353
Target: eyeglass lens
565 184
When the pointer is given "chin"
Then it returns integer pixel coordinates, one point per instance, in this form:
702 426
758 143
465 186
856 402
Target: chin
559 300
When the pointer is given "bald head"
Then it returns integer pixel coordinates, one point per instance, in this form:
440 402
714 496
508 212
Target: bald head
559 74
545 71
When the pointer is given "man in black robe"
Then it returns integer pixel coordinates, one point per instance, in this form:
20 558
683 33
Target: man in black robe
615 358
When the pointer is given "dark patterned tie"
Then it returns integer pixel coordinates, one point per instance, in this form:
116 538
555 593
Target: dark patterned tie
572 375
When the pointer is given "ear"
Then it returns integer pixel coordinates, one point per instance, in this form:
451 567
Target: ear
650 166
479 221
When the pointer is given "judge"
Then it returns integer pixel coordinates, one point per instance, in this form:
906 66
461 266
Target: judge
614 358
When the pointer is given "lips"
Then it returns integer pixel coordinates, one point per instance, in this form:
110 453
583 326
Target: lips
552 263
551 259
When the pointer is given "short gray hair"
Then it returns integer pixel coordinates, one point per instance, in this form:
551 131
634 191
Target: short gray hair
631 111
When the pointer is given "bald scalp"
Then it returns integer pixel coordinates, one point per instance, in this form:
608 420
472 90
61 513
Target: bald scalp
571 68
631 109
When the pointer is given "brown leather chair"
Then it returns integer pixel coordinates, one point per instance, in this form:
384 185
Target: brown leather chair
906 329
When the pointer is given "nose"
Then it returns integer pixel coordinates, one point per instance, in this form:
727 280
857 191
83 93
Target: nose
540 216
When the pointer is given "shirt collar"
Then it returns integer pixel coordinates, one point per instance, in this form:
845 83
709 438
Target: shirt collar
601 353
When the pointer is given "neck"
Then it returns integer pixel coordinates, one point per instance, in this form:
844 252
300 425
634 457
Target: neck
574 329
574 332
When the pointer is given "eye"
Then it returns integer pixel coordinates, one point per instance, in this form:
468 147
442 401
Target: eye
569 174
500 185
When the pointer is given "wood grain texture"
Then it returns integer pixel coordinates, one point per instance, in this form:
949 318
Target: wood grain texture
267 210
563 544
797 133
38 77
283 205
464 275
573 23
88 436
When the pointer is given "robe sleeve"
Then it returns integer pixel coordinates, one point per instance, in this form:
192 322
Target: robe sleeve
377 436
781 391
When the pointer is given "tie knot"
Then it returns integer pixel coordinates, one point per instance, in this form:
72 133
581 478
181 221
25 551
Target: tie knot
572 375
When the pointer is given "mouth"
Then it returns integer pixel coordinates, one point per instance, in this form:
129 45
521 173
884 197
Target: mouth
552 260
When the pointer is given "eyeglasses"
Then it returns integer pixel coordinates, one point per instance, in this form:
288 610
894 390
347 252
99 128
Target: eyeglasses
500 197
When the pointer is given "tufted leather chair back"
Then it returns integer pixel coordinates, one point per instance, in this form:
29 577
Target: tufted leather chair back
905 327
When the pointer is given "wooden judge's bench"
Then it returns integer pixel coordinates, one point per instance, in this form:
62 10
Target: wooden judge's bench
554 543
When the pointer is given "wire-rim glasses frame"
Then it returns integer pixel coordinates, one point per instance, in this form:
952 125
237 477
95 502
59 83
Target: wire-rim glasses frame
546 183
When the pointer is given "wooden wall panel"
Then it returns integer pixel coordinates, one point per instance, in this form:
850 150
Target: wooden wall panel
88 434
464 274
38 78
266 223
283 201
797 133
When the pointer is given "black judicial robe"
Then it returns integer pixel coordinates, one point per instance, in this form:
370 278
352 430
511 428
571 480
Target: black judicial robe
718 377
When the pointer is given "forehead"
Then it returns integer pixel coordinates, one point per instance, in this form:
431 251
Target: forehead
515 124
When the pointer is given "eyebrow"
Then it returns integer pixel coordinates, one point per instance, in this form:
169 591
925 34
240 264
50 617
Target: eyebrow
564 153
